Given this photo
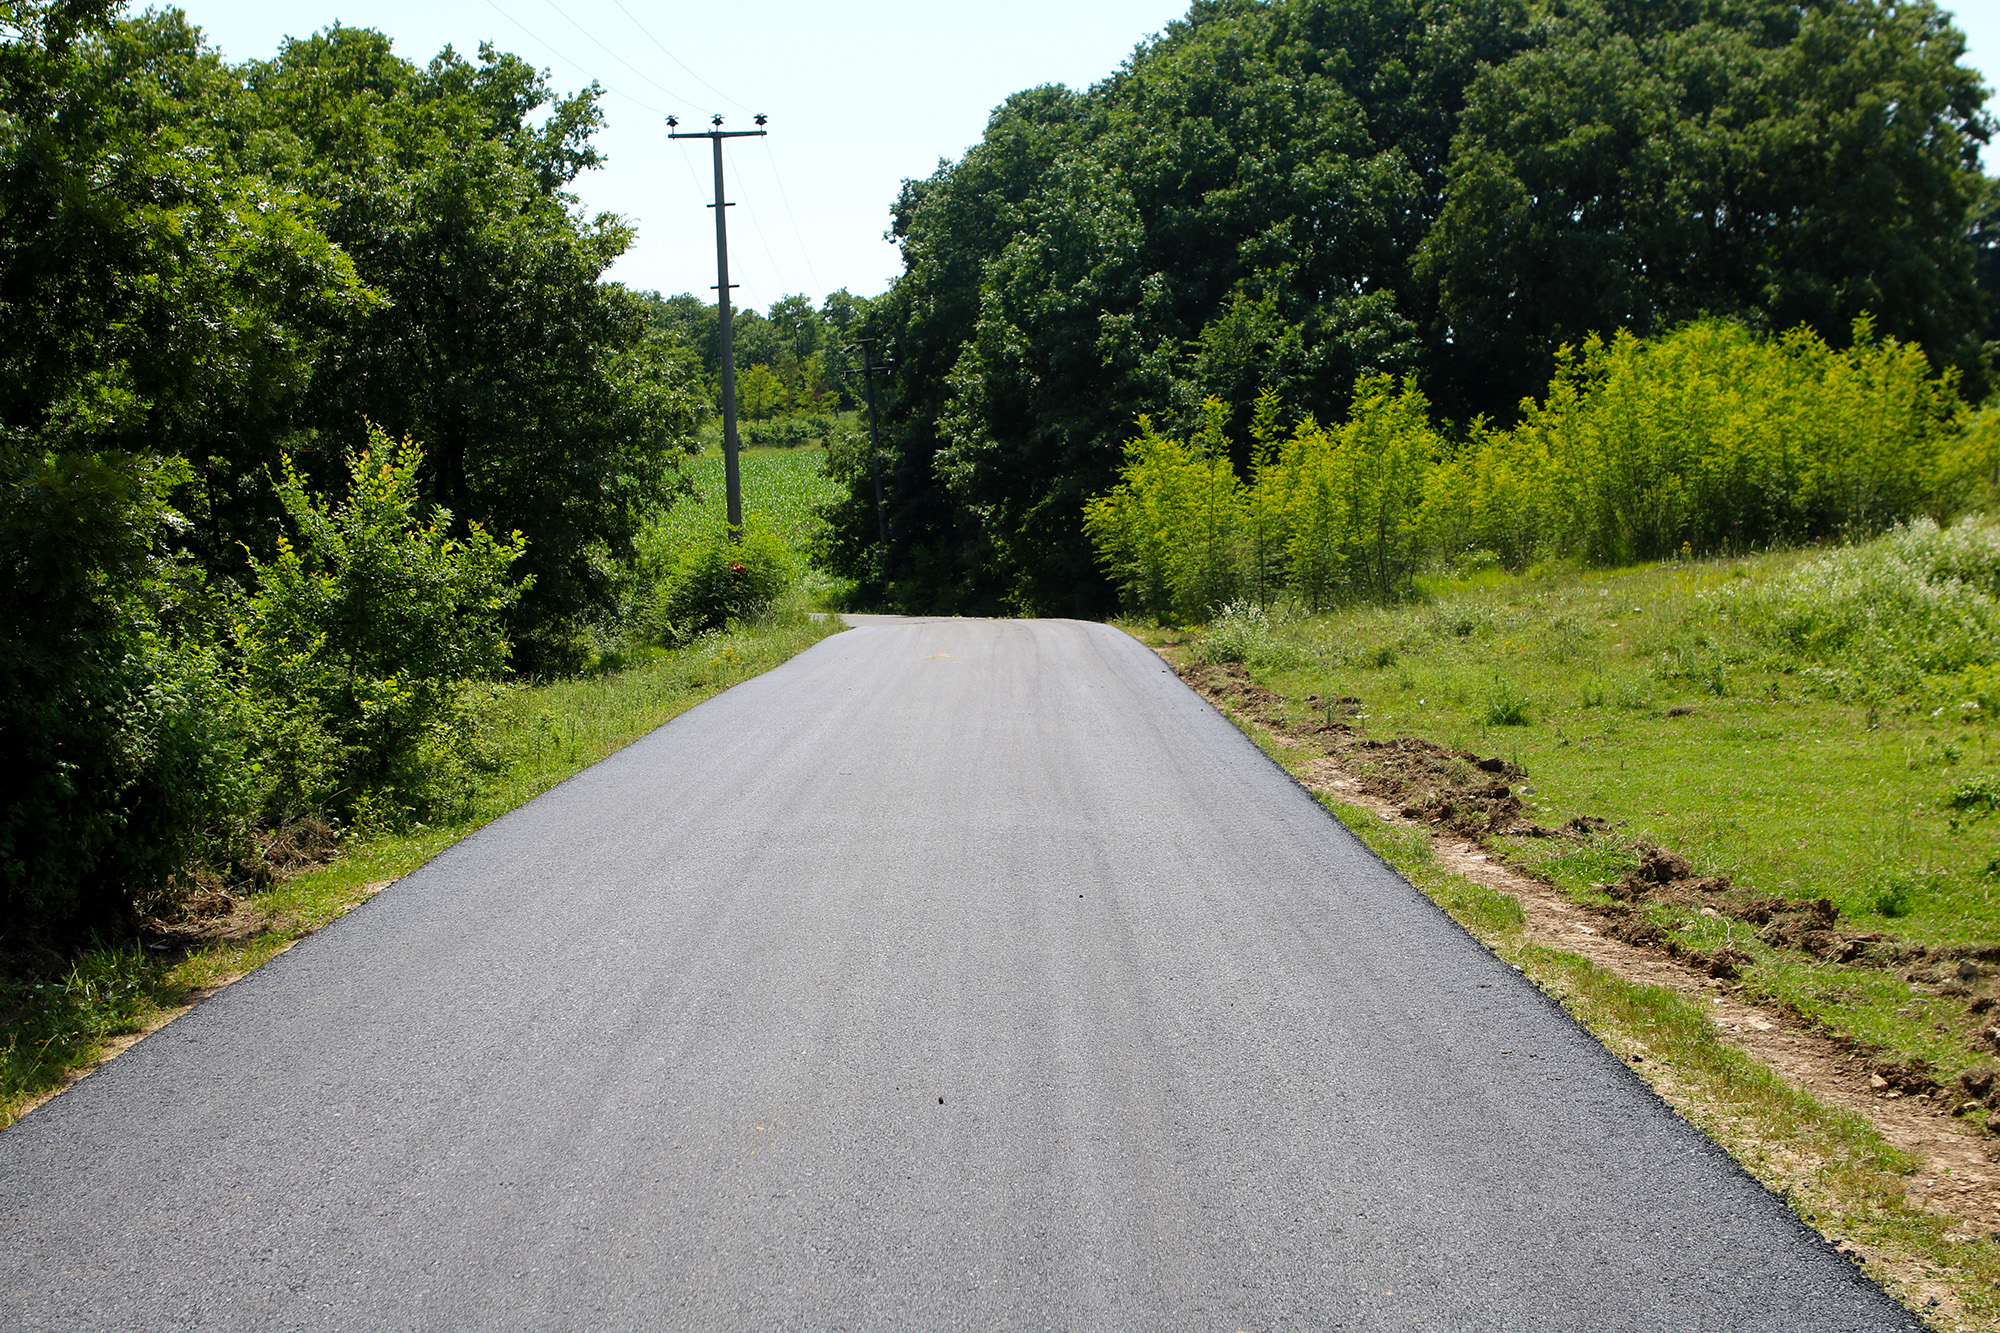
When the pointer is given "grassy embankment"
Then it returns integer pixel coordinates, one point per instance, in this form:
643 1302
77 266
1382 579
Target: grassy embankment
538 736
1665 701
1771 718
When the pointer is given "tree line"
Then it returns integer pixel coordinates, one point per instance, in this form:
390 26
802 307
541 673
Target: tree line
793 360
1709 440
317 418
1296 195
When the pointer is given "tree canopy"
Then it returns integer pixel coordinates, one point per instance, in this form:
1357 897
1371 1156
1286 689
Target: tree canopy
1292 194
218 284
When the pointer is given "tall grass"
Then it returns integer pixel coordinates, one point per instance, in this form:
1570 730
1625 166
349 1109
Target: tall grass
1709 440
1917 611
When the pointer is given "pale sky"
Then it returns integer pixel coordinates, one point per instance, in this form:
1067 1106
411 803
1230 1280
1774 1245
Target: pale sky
861 95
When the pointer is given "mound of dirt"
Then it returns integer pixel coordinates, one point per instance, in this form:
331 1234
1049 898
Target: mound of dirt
1478 798
1455 789
1229 682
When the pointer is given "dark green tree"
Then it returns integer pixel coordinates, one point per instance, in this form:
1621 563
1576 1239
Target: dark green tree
545 402
1290 194
160 311
1642 166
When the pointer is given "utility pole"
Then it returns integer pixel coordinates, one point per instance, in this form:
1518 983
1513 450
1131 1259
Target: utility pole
868 369
732 471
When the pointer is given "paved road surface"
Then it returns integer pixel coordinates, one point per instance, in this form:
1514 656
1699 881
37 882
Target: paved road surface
956 975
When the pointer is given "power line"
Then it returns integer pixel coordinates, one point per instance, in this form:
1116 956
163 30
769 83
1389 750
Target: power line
613 54
766 244
676 59
548 46
796 233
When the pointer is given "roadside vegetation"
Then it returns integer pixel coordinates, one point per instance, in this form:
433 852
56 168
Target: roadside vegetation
324 445
1706 440
1776 769
1708 640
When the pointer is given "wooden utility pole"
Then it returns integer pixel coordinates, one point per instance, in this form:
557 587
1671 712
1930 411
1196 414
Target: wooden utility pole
732 470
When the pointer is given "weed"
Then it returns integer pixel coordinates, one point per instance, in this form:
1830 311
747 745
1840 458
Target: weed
1505 706
1242 632
1976 795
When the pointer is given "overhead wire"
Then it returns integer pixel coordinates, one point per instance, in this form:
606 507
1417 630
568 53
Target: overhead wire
677 60
797 235
613 54
776 271
694 178
550 47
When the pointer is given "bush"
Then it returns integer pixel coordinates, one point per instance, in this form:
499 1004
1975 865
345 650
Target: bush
1922 603
719 581
1173 533
789 432
1242 632
368 642
1710 439
124 744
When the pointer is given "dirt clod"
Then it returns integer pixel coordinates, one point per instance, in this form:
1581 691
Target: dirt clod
1399 780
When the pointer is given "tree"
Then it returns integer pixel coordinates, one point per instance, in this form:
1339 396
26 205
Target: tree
1297 194
1805 167
160 310
545 402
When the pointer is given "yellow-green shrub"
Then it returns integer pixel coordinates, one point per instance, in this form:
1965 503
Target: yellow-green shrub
1709 439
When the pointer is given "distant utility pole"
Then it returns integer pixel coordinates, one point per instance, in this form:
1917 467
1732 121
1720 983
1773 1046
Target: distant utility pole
732 471
868 369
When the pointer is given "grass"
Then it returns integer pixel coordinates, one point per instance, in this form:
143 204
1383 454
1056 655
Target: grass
1655 698
537 737
783 489
1829 1164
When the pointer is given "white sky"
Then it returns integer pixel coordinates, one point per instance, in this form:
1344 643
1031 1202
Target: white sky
861 95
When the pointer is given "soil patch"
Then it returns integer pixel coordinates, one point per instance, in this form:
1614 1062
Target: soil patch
1464 800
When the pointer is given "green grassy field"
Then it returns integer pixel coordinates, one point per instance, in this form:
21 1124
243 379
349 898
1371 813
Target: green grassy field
781 487
1660 700
782 491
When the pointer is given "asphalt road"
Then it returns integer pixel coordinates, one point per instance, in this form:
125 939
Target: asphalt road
956 975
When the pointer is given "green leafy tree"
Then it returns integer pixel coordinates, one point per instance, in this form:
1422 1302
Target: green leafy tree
125 746
160 309
545 401
1299 194
1633 170
760 393
368 640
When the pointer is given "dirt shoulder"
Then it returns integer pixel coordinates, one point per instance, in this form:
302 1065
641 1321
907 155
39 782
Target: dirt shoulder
1938 1256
